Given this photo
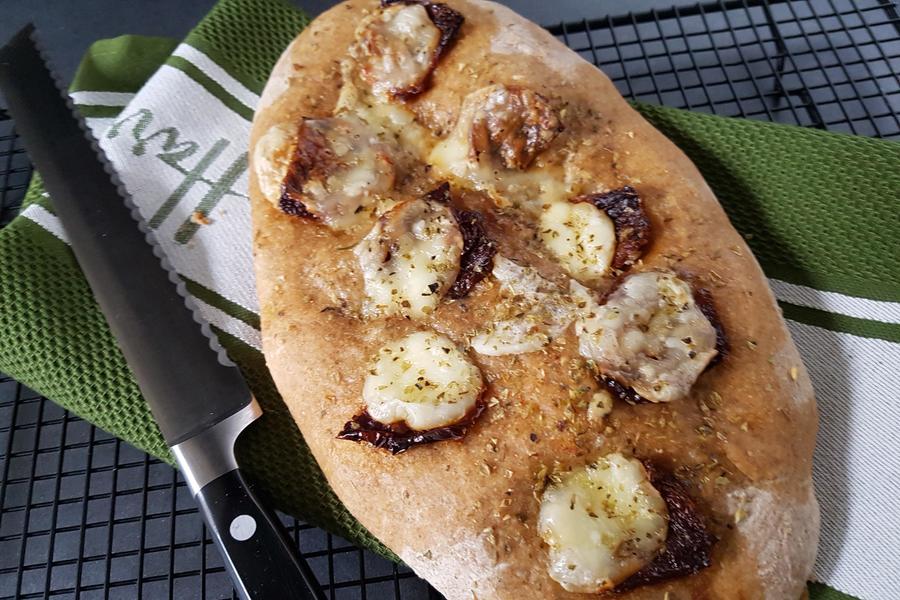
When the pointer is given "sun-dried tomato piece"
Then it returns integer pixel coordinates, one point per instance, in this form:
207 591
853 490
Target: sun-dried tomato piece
704 301
397 437
689 544
439 194
625 208
294 208
622 392
477 258
312 158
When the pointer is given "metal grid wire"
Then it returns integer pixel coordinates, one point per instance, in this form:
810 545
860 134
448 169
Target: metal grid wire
829 64
84 515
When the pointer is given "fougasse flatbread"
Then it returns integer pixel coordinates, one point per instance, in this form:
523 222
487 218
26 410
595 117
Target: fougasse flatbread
516 329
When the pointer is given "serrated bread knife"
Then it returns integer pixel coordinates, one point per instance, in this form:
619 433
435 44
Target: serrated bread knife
197 396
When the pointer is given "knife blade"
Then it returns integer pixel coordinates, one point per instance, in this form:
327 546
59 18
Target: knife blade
197 395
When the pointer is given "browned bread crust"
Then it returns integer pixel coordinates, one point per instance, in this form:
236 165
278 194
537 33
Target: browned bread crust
463 514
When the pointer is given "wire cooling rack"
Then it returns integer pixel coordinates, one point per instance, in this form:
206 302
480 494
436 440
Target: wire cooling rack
84 515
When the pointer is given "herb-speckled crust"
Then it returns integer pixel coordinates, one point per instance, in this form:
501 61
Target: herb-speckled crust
463 514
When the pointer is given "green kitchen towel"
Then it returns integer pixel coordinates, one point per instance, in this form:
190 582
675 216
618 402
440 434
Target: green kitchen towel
819 210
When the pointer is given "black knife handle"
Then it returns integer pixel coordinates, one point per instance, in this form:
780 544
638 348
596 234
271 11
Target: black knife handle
262 564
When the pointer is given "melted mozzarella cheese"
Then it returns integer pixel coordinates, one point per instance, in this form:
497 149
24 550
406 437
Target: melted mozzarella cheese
409 259
602 524
390 119
528 190
581 237
530 313
650 335
272 158
600 406
455 158
585 303
347 168
422 380
359 169
396 48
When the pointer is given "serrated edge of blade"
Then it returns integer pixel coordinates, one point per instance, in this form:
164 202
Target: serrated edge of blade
173 276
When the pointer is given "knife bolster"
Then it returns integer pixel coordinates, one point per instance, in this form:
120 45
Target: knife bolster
210 454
